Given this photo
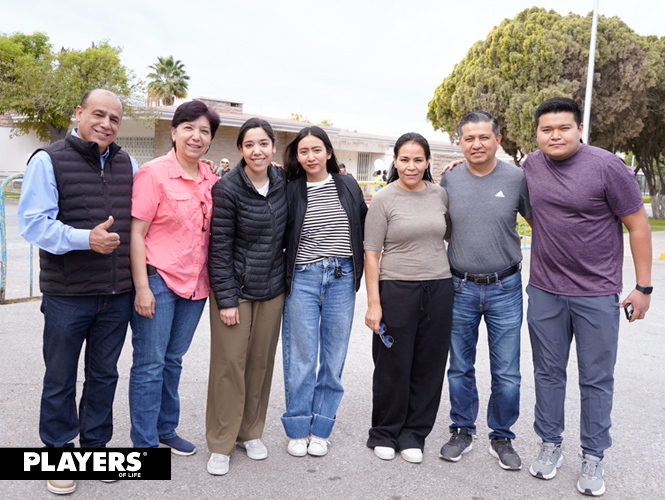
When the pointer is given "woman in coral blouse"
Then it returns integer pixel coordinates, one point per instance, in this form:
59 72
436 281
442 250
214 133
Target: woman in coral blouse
171 206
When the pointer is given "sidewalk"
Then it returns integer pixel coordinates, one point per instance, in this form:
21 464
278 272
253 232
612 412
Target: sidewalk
351 470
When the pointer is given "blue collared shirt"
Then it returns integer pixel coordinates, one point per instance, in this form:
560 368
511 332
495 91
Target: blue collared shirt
38 208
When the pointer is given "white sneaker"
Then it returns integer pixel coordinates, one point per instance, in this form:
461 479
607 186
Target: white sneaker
318 447
413 455
255 448
61 487
218 465
298 447
384 452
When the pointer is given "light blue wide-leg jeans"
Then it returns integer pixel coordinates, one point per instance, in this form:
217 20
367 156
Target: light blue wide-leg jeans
317 325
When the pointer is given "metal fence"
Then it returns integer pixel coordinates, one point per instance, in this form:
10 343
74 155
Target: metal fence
4 189
370 187
524 231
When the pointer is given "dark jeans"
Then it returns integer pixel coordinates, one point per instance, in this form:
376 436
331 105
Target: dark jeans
408 377
100 321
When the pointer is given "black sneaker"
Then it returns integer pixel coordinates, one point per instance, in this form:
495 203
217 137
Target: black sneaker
502 449
461 442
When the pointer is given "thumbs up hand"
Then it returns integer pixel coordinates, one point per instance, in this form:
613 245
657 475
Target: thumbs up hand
101 240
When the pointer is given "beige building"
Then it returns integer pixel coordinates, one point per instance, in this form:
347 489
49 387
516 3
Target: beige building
362 153
358 151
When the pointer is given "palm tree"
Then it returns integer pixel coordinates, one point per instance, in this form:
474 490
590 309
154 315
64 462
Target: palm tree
169 80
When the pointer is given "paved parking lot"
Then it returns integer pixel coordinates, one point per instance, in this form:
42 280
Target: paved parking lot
351 470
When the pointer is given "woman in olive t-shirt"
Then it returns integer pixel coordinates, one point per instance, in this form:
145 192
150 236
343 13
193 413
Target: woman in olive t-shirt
410 299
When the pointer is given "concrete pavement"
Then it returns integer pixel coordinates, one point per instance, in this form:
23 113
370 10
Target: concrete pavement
351 470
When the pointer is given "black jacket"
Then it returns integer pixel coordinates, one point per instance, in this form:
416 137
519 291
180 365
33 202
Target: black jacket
246 258
353 202
87 195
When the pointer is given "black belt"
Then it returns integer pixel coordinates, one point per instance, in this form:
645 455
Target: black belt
486 279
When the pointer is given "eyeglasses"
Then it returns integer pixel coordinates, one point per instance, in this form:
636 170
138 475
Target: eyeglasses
204 210
387 340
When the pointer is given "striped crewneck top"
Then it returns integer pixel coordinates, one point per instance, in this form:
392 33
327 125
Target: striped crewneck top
325 231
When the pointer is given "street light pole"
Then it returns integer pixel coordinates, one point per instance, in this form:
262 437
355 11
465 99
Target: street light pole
589 76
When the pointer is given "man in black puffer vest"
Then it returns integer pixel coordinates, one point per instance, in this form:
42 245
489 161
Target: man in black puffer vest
76 207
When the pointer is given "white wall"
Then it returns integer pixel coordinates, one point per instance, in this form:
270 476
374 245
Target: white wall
134 128
387 159
349 159
15 152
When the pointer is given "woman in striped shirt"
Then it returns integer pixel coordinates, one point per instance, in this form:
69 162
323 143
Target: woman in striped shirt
324 235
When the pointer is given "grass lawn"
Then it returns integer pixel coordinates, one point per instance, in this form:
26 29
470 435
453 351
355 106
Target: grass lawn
656 225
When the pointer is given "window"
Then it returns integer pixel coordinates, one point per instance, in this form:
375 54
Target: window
142 149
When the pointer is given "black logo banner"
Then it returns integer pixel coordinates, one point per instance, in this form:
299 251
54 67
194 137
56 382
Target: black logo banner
85 463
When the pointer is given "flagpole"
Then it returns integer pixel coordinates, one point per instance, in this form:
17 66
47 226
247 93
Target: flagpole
589 77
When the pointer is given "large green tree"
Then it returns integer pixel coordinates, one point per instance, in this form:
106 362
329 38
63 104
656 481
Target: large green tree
42 87
649 145
168 80
540 54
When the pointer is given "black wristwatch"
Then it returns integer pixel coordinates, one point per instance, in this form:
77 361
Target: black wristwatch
646 290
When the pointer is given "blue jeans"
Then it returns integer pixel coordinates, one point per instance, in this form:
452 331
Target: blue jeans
100 321
317 321
501 305
159 345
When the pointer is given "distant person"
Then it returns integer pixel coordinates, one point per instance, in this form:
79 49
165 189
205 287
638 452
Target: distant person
75 206
409 302
224 167
343 171
171 202
247 265
485 196
324 267
384 176
580 197
378 177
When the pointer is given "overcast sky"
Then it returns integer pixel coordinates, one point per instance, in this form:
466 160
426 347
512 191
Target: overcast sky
370 66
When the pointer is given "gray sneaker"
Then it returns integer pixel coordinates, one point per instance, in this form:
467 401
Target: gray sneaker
591 477
548 461
460 442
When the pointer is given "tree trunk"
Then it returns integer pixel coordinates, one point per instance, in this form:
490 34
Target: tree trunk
658 206
57 133
657 200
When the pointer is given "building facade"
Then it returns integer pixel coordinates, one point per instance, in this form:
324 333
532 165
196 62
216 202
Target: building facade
362 153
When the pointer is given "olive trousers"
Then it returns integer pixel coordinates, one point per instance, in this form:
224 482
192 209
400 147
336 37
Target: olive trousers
241 364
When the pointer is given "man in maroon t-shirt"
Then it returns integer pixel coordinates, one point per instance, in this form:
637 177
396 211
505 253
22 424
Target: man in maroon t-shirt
580 196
